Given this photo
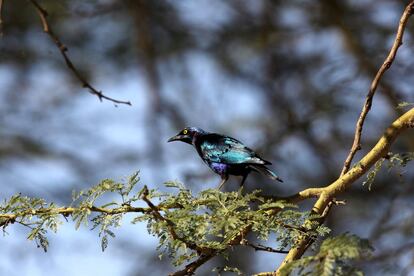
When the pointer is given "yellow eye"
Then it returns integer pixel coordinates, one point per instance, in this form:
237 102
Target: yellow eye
185 131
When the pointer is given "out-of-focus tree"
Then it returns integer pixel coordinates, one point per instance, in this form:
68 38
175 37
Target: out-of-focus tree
289 77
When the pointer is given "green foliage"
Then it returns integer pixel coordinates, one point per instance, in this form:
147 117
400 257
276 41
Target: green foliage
373 173
212 220
30 214
235 270
395 160
400 159
187 225
404 104
334 258
40 217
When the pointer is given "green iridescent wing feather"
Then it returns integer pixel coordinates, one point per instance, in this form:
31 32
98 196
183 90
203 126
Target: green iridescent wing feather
224 149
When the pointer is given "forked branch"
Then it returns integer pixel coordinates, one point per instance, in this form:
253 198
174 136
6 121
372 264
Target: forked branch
349 176
398 41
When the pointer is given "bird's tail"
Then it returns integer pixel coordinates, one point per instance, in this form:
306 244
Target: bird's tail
262 169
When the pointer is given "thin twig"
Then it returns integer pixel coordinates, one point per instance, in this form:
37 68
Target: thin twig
6 219
9 218
63 49
259 247
356 145
329 206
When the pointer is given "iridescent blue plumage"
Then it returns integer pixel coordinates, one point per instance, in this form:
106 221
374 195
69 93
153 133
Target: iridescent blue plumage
224 155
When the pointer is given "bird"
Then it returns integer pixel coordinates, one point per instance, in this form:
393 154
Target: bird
224 155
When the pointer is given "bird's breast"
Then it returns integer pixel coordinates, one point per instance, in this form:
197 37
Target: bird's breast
227 169
219 168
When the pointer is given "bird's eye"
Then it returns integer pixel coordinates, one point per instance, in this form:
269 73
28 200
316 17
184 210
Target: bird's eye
185 131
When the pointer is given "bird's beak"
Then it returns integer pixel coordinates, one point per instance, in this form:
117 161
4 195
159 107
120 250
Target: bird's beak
177 137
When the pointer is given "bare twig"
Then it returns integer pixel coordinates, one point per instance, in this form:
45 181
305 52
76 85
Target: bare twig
62 48
259 247
329 206
356 145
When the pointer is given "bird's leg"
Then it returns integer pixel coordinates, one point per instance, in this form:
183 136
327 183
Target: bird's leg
243 179
224 178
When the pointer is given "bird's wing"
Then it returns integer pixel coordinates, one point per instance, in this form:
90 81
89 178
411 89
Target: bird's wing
223 149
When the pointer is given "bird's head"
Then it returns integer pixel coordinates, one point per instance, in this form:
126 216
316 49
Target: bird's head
187 135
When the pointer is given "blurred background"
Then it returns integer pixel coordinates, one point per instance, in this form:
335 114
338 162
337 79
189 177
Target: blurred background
288 78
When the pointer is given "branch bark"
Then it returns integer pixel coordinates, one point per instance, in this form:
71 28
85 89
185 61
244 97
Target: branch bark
66 211
63 49
347 176
341 184
7 218
356 145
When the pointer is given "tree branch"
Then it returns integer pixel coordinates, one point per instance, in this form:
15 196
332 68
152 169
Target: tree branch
191 267
63 49
259 247
341 184
356 145
348 177
300 196
6 219
171 226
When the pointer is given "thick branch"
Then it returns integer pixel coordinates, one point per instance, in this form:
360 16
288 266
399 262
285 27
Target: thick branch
356 145
348 177
62 48
300 196
341 184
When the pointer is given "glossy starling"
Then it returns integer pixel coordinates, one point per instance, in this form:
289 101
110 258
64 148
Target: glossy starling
224 155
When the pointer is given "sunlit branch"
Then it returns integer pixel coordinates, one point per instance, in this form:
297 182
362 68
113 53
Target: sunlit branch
348 177
329 192
356 145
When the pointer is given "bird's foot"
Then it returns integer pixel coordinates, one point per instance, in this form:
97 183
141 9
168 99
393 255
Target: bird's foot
223 180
